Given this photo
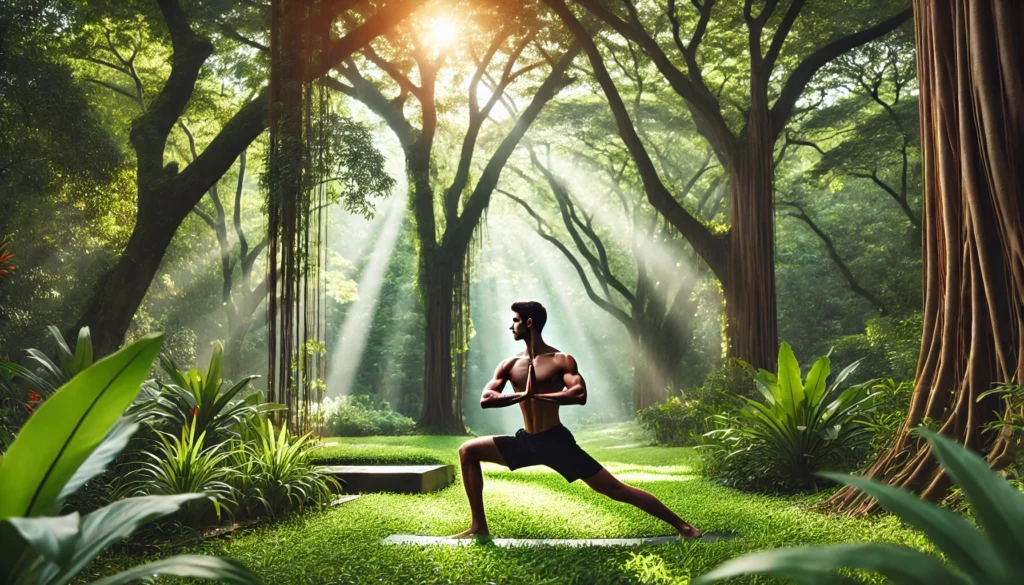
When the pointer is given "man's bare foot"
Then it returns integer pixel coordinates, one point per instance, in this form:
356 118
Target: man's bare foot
687 531
472 532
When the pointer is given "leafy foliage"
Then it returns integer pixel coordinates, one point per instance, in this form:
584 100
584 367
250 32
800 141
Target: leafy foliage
684 419
195 398
801 427
6 266
360 416
288 480
183 466
69 440
990 554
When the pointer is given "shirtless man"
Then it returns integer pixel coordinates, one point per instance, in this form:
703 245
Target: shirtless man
544 379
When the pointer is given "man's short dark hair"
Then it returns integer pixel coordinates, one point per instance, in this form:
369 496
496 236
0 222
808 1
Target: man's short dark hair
532 310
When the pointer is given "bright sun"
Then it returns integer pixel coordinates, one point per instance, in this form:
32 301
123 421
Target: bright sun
441 32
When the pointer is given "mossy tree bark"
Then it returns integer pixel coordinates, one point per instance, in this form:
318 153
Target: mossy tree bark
971 78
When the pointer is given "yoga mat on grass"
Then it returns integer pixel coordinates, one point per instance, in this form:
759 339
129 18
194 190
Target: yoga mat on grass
419 540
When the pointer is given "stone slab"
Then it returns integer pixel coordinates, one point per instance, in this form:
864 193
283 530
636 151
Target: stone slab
403 479
419 540
344 499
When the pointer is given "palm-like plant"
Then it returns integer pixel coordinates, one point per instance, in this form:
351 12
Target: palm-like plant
991 554
802 426
69 440
288 478
183 465
195 397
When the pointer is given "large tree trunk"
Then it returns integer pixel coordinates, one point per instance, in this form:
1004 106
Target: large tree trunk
751 320
437 278
970 63
120 291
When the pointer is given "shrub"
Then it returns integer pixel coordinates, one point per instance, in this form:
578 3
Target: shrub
358 416
991 554
801 427
685 417
287 479
195 397
68 441
22 390
182 466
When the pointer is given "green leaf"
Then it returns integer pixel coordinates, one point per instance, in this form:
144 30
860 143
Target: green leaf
811 564
68 427
195 566
83 352
114 522
115 442
53 537
963 544
997 505
815 386
790 386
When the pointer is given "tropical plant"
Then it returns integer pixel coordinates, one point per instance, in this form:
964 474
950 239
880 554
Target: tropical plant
6 266
44 375
182 466
990 554
1013 420
245 479
69 440
288 480
194 396
802 426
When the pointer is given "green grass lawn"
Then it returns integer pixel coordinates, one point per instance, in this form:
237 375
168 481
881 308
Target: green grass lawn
342 544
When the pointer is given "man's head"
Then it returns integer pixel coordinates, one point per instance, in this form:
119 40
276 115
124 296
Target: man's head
528 317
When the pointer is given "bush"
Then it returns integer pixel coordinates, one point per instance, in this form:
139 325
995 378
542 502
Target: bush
685 417
71 438
358 416
801 427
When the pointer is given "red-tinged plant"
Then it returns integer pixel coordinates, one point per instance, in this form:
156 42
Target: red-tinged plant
6 266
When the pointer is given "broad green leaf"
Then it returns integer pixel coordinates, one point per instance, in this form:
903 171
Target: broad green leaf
53 537
815 386
64 355
115 442
83 352
194 566
810 564
68 427
116 521
790 386
963 544
997 505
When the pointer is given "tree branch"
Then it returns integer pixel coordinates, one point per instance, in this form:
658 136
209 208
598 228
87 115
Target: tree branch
605 305
708 246
834 255
801 76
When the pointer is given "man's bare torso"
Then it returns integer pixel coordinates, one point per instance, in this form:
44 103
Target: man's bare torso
549 373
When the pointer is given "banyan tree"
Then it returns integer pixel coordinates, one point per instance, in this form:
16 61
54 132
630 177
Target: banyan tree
970 62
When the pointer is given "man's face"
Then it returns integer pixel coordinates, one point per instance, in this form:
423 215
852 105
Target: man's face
519 327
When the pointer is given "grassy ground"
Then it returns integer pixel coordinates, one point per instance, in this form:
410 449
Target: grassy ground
342 545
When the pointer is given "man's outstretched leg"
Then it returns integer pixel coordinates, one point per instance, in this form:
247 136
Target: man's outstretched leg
471 453
605 483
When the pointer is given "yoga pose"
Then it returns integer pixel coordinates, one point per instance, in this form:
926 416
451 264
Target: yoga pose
544 379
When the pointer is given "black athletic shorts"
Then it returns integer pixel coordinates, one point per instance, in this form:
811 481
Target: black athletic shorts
554 447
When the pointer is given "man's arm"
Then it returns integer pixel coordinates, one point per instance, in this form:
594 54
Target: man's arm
575 391
492 396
